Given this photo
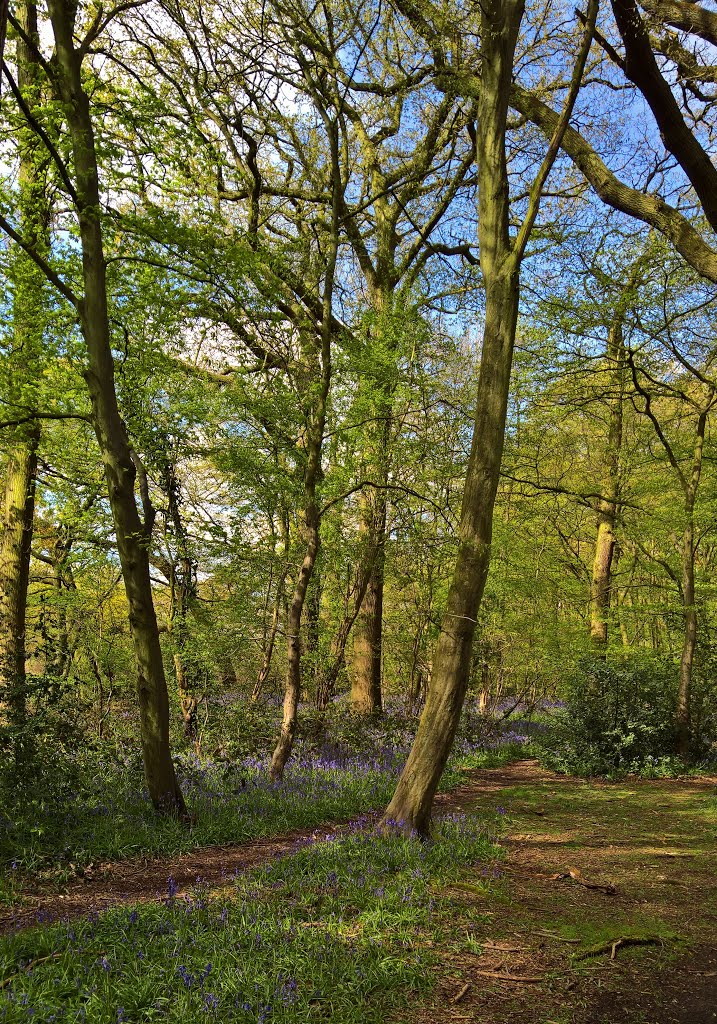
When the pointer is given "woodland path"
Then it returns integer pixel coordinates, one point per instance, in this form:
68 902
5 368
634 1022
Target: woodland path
643 857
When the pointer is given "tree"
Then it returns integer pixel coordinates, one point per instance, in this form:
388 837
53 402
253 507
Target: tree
80 180
501 259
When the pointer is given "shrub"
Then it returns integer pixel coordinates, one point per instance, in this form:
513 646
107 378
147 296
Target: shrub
618 718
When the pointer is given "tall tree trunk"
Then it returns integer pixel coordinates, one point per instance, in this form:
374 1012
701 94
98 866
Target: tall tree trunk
366 683
315 418
133 535
683 717
500 260
601 588
16 528
271 639
413 799
182 588
15 548
312 619
292 692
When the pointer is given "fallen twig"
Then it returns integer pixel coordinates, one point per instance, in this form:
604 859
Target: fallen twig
525 980
558 938
503 947
459 995
28 967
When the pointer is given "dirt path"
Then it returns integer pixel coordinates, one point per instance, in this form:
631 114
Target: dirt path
643 857
142 879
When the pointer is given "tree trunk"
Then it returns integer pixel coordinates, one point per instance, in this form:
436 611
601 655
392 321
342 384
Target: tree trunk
120 472
15 547
292 692
270 641
315 417
18 508
280 602
683 716
326 682
366 698
413 799
313 627
683 721
601 589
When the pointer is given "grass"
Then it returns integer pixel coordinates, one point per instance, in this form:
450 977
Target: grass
90 806
366 928
340 930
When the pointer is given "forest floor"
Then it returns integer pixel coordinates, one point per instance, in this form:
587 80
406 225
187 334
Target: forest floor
604 911
625 870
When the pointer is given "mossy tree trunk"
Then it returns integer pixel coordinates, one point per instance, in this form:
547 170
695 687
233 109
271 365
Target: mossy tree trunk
500 259
20 471
133 534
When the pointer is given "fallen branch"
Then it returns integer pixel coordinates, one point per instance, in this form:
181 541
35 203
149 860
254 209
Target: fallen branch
611 946
503 947
577 876
28 967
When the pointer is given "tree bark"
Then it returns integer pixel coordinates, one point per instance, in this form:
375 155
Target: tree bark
120 472
601 588
413 799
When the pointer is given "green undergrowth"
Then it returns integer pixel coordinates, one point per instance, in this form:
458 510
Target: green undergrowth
334 932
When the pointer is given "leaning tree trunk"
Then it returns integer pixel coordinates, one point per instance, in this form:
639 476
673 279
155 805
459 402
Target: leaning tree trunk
500 260
413 799
120 473
601 587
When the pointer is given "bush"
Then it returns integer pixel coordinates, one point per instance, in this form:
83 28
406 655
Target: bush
618 718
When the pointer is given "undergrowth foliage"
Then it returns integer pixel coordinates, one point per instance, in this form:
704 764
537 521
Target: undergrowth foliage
618 718
333 931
